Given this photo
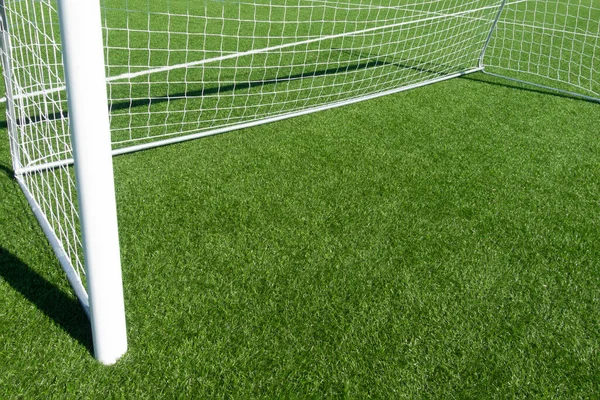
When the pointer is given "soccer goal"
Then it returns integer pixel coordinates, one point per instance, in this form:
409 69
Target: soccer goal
89 79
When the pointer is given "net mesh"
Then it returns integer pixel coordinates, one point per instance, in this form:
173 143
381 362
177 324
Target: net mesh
38 125
552 43
183 66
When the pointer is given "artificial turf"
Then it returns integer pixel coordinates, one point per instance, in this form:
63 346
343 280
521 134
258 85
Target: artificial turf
441 242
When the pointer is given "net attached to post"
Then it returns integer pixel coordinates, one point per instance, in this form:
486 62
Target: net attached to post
555 44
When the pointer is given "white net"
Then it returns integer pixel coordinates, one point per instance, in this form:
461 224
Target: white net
38 127
181 68
553 43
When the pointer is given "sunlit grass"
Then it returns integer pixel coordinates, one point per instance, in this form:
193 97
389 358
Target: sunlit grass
434 243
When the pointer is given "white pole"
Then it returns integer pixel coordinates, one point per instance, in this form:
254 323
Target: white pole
13 131
83 58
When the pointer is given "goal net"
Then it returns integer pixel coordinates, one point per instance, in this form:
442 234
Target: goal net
554 44
179 68
182 69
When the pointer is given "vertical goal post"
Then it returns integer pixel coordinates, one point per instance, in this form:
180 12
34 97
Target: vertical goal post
83 58
89 79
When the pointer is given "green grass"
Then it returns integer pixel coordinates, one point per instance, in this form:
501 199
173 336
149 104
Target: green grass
441 242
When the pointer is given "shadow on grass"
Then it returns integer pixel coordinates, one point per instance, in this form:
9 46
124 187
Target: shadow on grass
496 81
368 63
57 305
7 171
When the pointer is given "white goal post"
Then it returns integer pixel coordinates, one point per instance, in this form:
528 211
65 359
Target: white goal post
89 79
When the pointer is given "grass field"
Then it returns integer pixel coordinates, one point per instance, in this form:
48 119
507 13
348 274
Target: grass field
441 242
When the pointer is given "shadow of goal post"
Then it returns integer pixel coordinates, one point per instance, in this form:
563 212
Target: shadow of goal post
83 58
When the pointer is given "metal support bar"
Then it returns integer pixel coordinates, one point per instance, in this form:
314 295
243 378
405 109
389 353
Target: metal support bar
56 245
83 58
549 88
491 33
179 139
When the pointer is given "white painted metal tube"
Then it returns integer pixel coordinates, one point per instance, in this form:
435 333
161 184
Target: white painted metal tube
179 139
217 131
83 58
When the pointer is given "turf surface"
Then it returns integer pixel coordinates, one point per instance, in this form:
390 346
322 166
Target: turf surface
441 242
